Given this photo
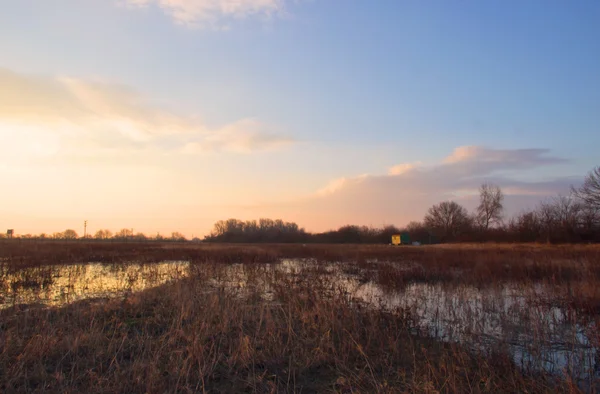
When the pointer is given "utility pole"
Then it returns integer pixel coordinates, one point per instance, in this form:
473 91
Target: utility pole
85 229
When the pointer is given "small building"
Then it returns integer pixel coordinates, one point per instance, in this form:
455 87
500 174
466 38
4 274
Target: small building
401 239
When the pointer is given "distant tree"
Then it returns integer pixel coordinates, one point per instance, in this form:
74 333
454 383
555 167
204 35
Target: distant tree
251 227
589 192
547 214
176 236
349 234
265 230
265 224
590 222
414 226
489 211
70 234
525 227
418 232
563 219
140 237
219 228
447 219
568 210
124 234
383 235
103 234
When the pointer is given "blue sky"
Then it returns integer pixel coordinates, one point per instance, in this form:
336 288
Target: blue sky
326 89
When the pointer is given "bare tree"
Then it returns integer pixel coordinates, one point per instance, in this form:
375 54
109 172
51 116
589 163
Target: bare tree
568 210
590 220
526 226
124 233
489 211
234 230
70 234
589 192
103 234
448 219
177 236
547 214
568 216
418 232
140 237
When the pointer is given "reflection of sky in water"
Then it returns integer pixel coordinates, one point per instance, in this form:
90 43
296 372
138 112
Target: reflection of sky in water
57 285
498 318
514 318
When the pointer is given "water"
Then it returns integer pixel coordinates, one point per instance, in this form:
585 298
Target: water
59 285
508 318
524 321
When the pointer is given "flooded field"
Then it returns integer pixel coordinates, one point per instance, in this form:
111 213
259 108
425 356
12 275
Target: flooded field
523 321
546 328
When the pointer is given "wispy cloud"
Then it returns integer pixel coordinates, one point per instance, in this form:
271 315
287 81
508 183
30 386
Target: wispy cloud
462 171
41 116
212 13
341 184
402 168
501 158
245 136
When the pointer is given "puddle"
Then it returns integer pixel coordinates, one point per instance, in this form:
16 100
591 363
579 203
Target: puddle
59 285
538 336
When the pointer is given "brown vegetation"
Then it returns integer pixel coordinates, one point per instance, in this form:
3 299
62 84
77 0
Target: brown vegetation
308 335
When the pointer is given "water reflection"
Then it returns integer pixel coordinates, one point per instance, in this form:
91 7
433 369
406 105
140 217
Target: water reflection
523 320
508 318
59 285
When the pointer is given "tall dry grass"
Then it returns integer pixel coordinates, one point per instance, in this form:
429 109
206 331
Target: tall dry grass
210 332
309 337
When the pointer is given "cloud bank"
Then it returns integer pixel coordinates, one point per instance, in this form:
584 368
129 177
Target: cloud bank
461 172
212 13
44 116
409 189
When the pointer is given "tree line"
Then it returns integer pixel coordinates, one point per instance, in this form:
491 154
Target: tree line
104 235
564 218
571 218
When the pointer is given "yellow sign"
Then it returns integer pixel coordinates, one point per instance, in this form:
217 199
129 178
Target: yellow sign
396 239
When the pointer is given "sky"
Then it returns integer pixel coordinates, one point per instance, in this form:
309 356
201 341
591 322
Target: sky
168 115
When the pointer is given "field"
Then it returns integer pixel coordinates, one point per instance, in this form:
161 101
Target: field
109 317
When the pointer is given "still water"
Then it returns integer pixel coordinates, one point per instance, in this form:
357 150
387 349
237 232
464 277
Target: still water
59 285
520 320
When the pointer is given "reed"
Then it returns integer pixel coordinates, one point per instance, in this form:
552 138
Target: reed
240 320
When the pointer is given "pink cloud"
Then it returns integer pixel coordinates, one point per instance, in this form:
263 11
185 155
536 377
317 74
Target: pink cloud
408 190
211 13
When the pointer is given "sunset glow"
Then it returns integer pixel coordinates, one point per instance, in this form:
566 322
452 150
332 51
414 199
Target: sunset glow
168 115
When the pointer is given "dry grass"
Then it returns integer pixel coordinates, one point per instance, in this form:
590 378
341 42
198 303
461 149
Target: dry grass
309 335
181 338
